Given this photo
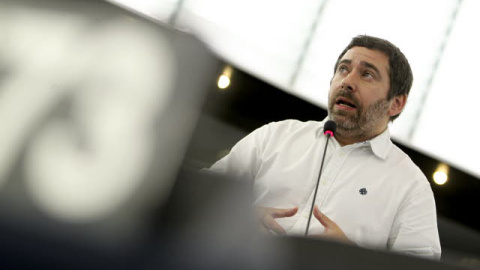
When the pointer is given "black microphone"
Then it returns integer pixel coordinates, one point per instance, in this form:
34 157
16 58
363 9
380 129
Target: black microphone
329 129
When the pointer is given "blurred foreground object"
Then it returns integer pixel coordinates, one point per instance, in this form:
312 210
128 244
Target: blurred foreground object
97 106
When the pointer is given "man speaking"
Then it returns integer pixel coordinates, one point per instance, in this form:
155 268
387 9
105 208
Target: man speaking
369 193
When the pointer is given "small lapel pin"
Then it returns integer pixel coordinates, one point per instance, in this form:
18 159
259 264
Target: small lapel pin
363 191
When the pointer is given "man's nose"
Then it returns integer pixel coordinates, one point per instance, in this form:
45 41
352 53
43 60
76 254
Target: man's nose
349 82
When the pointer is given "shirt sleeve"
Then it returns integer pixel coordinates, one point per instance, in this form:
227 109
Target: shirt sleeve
244 159
415 230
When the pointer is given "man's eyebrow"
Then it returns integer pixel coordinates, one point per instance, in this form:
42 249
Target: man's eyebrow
346 61
363 63
372 66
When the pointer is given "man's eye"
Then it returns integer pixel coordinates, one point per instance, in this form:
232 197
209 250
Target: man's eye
368 75
342 69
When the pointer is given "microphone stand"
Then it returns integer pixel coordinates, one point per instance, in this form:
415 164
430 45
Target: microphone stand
329 134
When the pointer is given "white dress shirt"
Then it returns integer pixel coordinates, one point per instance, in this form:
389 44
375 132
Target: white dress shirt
372 189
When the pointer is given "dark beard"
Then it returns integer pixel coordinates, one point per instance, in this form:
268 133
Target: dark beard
361 124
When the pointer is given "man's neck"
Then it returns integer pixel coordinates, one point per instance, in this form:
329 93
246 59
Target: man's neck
344 139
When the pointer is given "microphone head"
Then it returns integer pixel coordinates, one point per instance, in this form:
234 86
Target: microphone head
329 128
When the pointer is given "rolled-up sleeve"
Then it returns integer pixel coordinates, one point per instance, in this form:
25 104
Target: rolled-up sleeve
244 158
415 230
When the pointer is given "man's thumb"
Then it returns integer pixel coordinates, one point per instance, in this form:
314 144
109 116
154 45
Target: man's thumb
324 220
285 212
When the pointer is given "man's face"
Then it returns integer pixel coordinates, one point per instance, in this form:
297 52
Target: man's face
358 91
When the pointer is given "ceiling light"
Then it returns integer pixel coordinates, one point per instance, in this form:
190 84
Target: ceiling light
440 176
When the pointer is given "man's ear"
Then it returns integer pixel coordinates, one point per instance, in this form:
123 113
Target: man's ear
397 105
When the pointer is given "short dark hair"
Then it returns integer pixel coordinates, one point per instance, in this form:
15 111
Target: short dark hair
400 72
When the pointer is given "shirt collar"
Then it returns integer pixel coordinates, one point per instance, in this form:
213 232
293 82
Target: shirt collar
380 145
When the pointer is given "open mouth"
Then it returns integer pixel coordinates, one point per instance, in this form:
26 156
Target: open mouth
345 102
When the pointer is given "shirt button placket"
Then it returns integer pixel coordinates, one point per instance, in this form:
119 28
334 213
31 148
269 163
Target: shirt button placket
328 175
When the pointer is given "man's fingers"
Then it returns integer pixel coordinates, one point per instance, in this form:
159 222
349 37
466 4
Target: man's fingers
326 222
264 229
268 216
271 224
332 230
280 213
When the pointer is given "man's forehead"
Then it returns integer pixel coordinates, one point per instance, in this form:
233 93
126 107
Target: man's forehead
364 55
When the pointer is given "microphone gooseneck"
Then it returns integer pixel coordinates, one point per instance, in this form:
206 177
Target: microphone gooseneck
329 129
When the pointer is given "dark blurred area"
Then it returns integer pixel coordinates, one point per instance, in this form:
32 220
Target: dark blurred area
107 118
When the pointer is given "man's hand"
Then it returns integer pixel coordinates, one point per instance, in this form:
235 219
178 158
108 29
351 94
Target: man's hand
332 231
268 216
